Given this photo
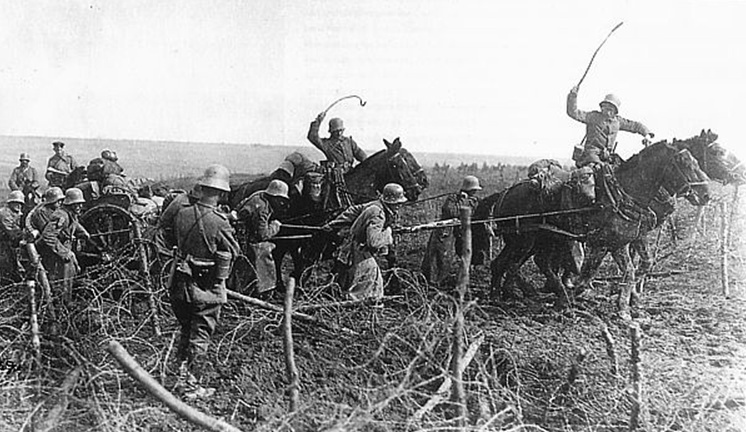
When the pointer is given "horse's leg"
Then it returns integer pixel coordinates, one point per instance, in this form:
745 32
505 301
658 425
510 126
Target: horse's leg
593 260
628 282
278 254
521 251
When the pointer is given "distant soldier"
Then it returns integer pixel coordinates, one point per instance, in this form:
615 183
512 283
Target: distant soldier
23 176
436 264
341 150
38 217
111 166
601 128
260 214
10 236
59 166
56 243
369 235
206 250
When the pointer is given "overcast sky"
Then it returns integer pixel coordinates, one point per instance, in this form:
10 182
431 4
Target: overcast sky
468 76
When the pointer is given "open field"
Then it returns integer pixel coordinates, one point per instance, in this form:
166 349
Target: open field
372 369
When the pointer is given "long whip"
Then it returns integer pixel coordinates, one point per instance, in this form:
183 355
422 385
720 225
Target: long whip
362 102
597 50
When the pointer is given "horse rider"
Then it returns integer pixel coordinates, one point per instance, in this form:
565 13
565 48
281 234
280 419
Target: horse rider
56 242
206 250
38 217
59 166
10 236
601 128
367 231
435 264
24 176
111 166
259 213
339 149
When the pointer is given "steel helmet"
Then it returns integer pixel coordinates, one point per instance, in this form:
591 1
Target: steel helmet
277 188
53 194
393 193
470 183
336 124
73 196
107 154
24 157
16 197
216 177
613 100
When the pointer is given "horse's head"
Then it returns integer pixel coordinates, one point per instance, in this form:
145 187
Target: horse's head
582 186
77 176
683 177
404 169
718 163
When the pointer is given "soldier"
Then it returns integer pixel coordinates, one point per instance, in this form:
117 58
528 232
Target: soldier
166 237
38 217
369 236
110 164
24 177
10 235
206 250
59 166
293 169
601 128
56 242
436 264
337 148
259 213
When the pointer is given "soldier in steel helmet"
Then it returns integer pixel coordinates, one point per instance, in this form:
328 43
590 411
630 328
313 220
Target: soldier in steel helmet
436 264
24 175
38 217
207 249
367 232
10 236
59 166
337 148
260 214
601 128
56 242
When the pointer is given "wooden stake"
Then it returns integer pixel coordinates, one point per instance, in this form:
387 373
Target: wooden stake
34 320
144 272
291 368
724 231
458 393
156 389
62 397
41 276
636 395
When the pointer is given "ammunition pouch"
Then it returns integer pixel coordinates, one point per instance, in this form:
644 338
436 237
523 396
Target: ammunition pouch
200 267
222 264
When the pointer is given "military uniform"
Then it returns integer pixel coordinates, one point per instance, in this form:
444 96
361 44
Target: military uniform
21 177
38 217
257 215
197 292
343 151
56 247
600 131
369 236
10 235
64 164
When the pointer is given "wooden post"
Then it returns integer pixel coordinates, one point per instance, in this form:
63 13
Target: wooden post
144 272
156 389
458 394
291 368
635 416
41 276
724 231
63 399
34 320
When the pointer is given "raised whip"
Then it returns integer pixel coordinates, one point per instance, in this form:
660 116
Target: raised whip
596 52
362 102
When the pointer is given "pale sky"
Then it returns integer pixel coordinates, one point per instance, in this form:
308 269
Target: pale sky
469 76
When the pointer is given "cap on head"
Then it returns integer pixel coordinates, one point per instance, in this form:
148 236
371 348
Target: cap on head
612 100
73 196
217 177
24 157
58 144
470 183
393 193
277 188
16 197
336 124
53 195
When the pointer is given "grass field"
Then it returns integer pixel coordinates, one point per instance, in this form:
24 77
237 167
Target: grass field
371 369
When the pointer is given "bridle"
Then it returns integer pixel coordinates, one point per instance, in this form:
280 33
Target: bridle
399 168
686 184
723 161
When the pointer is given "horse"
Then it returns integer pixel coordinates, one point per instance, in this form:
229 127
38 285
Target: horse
628 208
718 163
363 183
524 235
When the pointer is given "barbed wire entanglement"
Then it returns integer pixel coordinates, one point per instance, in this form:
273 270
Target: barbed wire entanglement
387 369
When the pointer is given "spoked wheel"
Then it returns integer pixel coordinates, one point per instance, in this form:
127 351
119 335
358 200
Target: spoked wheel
111 230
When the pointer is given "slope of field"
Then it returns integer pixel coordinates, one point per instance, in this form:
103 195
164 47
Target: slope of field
371 369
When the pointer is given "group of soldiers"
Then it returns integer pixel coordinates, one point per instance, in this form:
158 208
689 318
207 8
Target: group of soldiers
202 236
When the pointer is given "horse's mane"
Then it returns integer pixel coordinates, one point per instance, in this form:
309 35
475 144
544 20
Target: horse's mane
634 161
368 162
